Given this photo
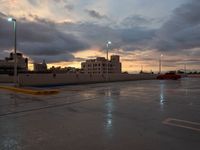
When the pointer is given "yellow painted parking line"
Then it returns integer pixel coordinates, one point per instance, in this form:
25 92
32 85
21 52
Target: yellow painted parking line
29 91
182 124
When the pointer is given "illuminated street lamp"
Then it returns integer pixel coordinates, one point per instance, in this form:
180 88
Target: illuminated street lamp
107 48
15 49
107 45
160 64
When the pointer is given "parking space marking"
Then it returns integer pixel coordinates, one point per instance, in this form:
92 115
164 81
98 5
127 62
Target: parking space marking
182 124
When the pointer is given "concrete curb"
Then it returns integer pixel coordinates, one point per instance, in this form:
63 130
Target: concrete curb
29 91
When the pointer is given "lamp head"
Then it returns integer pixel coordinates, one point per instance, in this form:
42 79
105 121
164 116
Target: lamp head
11 19
109 42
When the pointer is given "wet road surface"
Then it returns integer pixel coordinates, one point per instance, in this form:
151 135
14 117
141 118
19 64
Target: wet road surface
139 115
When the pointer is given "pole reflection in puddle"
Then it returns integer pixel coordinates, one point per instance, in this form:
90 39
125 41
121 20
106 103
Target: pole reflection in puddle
162 96
109 113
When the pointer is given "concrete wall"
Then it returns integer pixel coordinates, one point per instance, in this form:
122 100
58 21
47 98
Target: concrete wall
4 78
64 79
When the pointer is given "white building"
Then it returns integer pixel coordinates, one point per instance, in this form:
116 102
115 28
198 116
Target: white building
101 66
40 67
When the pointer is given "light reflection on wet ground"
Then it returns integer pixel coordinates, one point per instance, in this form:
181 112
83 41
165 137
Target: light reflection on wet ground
121 115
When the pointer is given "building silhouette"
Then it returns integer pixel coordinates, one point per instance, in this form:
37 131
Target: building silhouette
7 65
64 70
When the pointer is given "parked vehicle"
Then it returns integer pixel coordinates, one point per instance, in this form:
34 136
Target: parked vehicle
169 76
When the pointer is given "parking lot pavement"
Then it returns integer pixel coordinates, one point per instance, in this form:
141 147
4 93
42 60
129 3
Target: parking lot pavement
147 115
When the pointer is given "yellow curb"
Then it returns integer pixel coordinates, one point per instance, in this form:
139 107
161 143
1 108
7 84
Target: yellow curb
28 91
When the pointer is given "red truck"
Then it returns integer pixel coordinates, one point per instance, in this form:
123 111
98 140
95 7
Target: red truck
169 76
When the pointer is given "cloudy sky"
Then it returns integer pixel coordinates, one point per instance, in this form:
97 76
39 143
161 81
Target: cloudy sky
66 32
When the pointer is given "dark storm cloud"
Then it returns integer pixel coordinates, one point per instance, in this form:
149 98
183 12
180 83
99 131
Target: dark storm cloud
39 39
61 1
66 4
79 59
38 19
135 21
53 58
69 7
138 59
34 2
44 38
58 1
95 14
2 15
182 30
136 38
98 35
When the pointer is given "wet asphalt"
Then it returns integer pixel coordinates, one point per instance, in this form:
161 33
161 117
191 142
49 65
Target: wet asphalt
106 116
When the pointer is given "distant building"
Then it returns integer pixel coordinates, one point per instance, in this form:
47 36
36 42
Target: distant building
101 66
64 70
7 65
40 67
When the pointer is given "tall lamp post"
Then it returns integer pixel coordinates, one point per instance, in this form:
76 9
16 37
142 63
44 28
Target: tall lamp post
160 64
185 69
15 48
107 48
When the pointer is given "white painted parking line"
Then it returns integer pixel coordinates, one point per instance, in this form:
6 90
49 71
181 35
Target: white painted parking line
182 124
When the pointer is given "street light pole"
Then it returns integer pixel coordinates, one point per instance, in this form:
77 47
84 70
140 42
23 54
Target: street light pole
107 46
15 48
185 69
160 64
